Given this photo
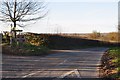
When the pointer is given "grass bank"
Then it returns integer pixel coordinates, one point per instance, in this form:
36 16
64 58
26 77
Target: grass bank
24 50
111 63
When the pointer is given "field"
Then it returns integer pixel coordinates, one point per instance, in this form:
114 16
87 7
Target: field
75 42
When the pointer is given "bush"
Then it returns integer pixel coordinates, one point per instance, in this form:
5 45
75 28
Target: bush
36 39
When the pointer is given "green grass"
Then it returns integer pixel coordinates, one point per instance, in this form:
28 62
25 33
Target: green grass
35 50
115 54
25 50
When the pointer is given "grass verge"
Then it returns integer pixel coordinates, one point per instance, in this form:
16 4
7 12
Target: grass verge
111 63
25 50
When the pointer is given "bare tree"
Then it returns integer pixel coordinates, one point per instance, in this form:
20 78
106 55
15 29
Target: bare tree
20 11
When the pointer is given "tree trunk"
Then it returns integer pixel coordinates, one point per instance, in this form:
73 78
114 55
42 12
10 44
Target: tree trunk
14 32
14 21
14 29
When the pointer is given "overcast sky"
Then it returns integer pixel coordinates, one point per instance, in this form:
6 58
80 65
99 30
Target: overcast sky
77 17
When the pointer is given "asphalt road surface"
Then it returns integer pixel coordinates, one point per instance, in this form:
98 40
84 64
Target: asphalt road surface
82 63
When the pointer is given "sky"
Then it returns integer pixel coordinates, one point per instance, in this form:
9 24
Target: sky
76 17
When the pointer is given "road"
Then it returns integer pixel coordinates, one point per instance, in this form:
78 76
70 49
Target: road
82 63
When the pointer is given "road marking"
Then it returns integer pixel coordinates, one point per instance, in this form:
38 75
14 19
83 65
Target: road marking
62 62
30 74
70 72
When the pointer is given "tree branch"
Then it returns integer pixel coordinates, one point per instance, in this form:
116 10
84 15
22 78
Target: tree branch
22 11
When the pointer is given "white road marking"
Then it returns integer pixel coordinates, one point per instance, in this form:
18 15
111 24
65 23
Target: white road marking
62 62
70 72
30 74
